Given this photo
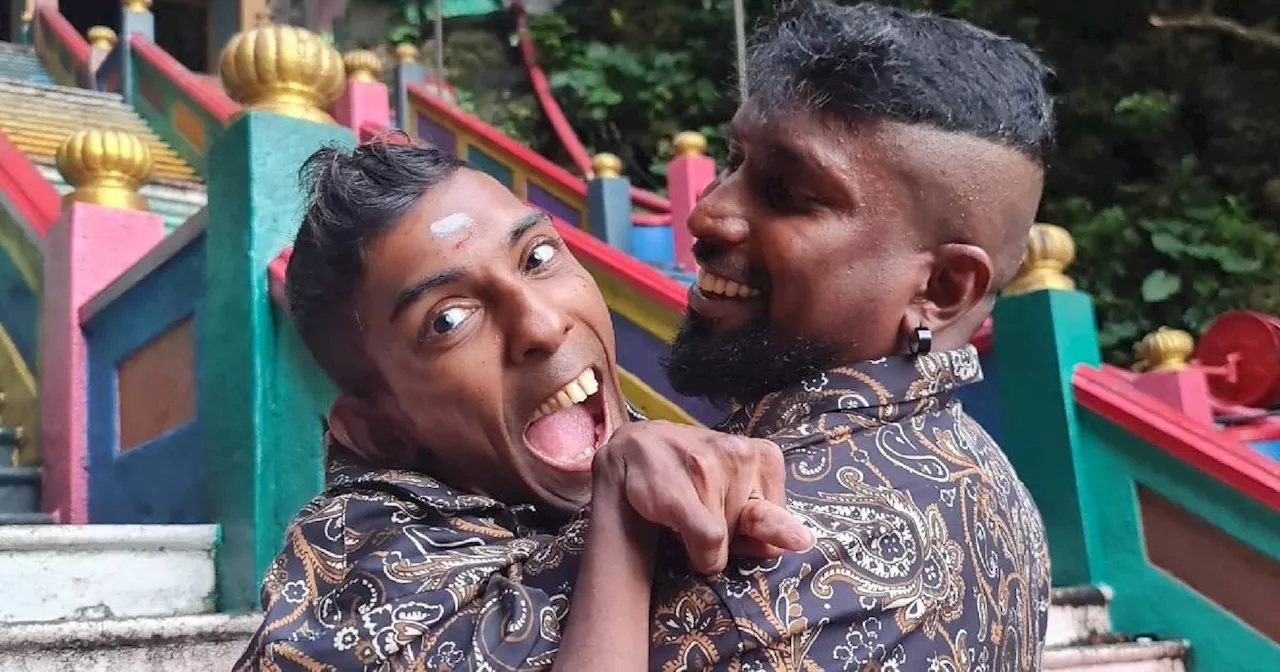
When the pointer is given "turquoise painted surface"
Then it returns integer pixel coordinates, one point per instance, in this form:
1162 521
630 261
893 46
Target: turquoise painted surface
1043 336
262 429
609 211
1148 599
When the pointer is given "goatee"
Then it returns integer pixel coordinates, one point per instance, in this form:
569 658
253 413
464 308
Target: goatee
744 363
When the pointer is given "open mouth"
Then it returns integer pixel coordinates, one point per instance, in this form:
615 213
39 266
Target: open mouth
570 425
715 287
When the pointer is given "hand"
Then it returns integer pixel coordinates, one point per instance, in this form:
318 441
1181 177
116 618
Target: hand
705 486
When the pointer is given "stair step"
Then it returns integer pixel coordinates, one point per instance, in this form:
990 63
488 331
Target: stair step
19 489
29 518
59 92
94 572
1166 656
210 642
1077 615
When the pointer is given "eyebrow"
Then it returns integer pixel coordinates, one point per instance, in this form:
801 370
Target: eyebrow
413 293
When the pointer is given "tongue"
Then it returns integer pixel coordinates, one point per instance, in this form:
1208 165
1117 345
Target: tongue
563 435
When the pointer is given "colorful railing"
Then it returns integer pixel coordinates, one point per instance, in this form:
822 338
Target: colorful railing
62 51
144 456
1183 521
184 111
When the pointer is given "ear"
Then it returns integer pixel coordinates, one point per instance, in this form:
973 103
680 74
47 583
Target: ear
360 425
961 279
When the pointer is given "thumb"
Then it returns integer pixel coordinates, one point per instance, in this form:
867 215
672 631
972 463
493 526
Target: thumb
764 522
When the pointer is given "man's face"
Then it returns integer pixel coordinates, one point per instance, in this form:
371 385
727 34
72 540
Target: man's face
488 335
821 241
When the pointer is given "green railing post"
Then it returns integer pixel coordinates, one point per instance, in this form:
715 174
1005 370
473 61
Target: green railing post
263 441
1044 328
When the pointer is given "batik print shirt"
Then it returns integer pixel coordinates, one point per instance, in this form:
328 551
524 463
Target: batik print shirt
930 553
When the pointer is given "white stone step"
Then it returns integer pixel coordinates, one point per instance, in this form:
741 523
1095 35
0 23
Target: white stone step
1077 615
175 644
87 572
1130 657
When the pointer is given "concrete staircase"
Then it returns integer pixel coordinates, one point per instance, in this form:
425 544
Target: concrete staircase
114 598
37 115
1080 638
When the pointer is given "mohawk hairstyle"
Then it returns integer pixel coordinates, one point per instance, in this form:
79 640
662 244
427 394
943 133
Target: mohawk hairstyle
867 62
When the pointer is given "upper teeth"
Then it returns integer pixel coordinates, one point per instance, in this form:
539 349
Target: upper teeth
575 392
714 284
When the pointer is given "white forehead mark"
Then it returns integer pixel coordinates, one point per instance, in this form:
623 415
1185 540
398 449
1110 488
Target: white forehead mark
451 225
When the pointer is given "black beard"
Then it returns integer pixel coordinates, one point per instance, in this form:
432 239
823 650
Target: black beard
742 364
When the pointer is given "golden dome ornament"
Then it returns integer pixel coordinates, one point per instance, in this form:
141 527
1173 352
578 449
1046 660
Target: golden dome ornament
606 165
690 143
283 69
1166 349
406 53
106 167
362 65
136 5
1050 250
101 38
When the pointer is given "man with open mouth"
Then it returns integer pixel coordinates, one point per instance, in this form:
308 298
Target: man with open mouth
475 360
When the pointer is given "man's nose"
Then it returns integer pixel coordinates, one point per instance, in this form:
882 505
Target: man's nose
537 327
719 219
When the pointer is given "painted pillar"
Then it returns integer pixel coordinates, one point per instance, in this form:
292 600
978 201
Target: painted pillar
85 249
408 71
135 19
1044 329
609 202
688 175
101 41
262 428
365 99
1169 376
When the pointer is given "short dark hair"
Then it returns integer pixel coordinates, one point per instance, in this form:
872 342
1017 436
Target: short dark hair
352 197
867 62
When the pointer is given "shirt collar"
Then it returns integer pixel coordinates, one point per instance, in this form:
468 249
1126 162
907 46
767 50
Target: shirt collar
871 393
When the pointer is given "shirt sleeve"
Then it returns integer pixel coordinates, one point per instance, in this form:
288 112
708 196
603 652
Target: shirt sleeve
375 585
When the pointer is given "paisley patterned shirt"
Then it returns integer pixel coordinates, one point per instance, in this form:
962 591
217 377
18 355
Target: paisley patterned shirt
930 555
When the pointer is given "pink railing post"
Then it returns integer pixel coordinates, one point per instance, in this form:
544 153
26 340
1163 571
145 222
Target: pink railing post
96 238
688 174
1170 378
366 99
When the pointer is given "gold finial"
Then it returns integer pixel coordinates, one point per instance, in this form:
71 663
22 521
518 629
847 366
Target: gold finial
690 143
362 65
283 69
1165 349
406 53
1050 251
27 15
106 167
606 165
137 5
101 38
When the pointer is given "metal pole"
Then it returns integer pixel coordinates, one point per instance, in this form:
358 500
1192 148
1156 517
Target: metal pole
740 29
440 46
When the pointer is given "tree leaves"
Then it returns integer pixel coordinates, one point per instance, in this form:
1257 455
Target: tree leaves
1160 285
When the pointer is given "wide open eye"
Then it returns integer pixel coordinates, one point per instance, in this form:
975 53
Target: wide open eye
450 319
541 254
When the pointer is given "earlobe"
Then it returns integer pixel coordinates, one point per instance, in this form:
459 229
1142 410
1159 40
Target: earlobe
350 424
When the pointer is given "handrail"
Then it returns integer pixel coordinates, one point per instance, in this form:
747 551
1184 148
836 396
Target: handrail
564 131
66 34
1197 444
215 102
35 199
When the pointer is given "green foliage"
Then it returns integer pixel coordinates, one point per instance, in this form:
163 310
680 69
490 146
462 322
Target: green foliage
1167 138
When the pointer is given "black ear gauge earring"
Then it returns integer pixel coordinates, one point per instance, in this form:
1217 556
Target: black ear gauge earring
920 342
